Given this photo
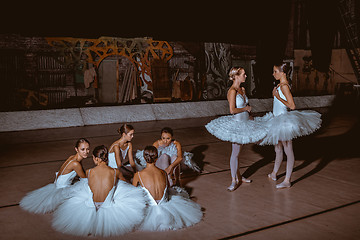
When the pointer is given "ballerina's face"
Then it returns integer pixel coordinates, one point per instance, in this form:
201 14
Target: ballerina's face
277 73
166 138
129 136
83 149
242 76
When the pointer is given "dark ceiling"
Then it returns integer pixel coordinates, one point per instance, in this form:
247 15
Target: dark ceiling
222 21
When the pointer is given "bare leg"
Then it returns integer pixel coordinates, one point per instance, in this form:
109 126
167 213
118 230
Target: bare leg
278 159
163 161
289 164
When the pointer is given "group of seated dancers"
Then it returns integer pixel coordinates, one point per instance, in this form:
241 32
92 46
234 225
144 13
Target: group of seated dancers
120 194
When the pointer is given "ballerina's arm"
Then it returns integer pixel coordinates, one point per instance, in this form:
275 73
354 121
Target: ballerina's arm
178 159
78 168
289 102
131 158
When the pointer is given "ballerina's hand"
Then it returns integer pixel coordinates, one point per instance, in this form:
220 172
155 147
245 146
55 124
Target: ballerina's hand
168 170
275 92
248 108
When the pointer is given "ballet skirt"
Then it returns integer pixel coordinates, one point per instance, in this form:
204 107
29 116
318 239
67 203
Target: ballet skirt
174 211
170 150
112 159
284 125
47 198
121 212
237 128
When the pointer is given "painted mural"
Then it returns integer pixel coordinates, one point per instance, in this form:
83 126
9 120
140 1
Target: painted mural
218 64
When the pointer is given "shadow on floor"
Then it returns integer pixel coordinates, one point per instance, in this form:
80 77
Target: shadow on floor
187 174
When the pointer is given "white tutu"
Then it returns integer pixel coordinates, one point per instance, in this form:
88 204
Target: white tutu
49 197
173 212
45 199
140 161
289 125
236 130
122 210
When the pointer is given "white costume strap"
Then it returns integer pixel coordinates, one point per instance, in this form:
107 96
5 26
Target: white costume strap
142 184
63 169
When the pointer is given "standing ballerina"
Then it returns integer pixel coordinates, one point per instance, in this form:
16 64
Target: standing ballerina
237 128
284 125
47 198
121 152
102 204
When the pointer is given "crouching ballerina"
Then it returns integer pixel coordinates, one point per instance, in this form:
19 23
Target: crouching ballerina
169 208
170 156
47 198
237 128
101 205
284 125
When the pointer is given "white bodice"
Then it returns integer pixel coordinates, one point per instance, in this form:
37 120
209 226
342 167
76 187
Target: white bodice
112 159
64 180
241 102
278 107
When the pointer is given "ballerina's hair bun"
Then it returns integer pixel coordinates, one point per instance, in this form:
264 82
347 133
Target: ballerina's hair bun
150 154
125 128
283 67
234 71
101 152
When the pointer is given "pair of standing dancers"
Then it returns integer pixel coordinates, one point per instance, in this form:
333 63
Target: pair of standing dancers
276 128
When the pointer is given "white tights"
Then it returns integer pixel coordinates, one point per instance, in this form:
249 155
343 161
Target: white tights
234 161
286 147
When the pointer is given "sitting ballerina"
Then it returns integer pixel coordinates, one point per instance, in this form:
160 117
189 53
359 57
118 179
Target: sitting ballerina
47 198
170 156
101 205
237 128
121 149
284 125
169 208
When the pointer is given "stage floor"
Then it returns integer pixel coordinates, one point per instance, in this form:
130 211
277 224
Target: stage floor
323 203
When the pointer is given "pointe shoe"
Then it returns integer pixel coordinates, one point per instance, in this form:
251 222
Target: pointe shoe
283 185
272 178
245 180
233 186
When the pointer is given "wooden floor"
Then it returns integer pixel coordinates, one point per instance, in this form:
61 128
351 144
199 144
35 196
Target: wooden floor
323 203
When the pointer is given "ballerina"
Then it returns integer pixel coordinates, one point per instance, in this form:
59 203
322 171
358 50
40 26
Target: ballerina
121 152
237 128
47 198
171 156
101 205
169 208
284 125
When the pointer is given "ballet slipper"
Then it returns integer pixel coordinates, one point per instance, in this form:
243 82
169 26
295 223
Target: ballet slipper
233 186
271 177
245 180
283 185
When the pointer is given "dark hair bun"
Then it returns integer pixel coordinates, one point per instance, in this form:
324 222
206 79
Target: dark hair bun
150 154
